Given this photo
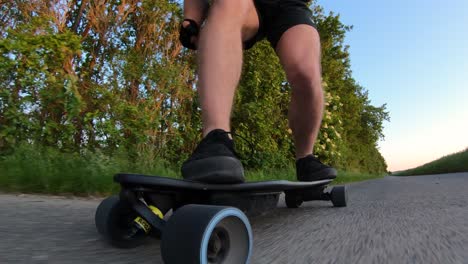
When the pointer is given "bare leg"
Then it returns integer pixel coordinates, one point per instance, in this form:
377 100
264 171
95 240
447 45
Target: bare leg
299 53
229 23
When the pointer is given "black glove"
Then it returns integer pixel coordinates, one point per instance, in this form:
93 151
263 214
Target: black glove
186 34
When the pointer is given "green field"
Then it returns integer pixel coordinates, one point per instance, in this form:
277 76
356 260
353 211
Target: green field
457 162
52 172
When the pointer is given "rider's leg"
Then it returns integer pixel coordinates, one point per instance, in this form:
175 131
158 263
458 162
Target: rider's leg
299 53
229 23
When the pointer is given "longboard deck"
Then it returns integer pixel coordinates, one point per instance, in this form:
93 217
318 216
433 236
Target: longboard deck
176 184
251 197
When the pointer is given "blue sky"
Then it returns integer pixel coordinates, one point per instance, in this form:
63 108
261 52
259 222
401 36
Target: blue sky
412 55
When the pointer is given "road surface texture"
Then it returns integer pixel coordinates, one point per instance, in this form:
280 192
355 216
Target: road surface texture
420 219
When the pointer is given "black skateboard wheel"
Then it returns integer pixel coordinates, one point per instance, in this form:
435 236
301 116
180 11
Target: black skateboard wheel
293 200
338 196
114 221
207 234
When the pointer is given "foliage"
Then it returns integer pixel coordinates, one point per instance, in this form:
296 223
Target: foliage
39 169
111 77
260 109
329 140
35 84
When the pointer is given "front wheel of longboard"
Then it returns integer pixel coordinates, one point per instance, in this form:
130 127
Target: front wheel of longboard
338 196
114 220
207 234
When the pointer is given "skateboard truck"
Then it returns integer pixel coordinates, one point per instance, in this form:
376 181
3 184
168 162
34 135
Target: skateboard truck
337 195
150 216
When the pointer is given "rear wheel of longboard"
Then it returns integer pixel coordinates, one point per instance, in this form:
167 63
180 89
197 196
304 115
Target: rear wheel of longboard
207 234
115 222
293 200
338 196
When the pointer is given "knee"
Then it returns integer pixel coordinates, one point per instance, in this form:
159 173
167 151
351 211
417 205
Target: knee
305 78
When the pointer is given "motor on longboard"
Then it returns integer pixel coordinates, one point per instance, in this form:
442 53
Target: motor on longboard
201 229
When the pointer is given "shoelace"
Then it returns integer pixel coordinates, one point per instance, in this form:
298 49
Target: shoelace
251 145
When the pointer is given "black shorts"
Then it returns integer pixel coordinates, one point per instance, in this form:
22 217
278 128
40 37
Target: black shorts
277 16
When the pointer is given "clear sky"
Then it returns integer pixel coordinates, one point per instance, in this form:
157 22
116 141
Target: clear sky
412 55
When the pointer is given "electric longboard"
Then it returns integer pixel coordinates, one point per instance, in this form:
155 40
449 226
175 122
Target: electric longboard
208 223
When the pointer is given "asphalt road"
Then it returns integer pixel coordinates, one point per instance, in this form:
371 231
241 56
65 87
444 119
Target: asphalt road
392 220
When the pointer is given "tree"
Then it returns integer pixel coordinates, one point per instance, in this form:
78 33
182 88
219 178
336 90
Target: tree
107 75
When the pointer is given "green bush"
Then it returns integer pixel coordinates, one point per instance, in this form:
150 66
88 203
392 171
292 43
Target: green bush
34 168
37 169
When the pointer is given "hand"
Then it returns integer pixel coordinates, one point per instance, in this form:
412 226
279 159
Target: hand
193 39
189 34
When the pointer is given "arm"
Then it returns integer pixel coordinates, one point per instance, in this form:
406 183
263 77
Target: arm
195 12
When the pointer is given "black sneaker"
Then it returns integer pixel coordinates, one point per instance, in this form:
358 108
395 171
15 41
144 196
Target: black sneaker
214 161
310 168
